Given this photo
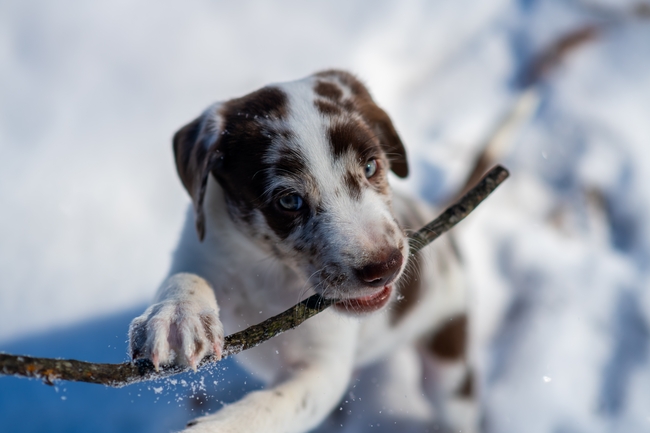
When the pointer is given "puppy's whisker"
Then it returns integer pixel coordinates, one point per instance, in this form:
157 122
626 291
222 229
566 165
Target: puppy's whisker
307 286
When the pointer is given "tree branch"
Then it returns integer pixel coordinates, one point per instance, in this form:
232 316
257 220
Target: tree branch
118 375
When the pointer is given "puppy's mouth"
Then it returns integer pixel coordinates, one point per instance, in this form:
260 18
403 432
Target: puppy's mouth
366 304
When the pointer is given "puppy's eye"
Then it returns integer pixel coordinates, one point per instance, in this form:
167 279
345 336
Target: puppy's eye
371 168
291 202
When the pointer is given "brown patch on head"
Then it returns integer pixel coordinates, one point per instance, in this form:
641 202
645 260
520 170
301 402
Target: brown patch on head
290 162
351 136
247 137
449 343
380 180
346 78
268 102
352 182
245 174
327 108
328 90
410 288
376 118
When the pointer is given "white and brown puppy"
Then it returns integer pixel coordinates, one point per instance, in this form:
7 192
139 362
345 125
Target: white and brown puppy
290 197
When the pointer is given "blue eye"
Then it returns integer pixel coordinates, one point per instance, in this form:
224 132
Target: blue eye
291 202
370 168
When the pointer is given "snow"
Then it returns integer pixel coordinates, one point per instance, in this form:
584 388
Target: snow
558 257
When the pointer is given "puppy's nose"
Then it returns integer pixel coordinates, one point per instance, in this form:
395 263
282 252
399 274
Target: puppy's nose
379 273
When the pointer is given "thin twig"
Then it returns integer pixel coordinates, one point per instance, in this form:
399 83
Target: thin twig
118 375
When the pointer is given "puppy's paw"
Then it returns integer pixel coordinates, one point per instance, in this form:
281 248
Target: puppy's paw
176 332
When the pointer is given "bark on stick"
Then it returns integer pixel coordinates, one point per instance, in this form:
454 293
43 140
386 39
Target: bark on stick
118 375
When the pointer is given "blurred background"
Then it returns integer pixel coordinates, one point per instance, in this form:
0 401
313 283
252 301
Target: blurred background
558 257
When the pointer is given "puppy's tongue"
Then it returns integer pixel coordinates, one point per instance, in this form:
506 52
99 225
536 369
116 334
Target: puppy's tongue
366 304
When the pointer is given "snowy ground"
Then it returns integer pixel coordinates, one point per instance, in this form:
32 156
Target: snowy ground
91 93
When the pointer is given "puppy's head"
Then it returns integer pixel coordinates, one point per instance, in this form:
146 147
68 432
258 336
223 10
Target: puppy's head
303 166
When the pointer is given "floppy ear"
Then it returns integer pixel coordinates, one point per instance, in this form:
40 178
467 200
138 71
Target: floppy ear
390 141
195 152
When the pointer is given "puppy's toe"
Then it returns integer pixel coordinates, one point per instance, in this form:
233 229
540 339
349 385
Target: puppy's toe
201 336
138 338
193 342
214 332
160 351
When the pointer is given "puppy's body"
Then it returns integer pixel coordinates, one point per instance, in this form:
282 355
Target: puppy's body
290 196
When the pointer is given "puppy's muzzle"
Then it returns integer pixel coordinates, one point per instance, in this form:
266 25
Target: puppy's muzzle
382 272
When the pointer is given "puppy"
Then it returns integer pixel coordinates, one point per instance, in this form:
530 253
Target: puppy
290 196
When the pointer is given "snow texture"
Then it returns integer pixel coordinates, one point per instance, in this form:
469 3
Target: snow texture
559 257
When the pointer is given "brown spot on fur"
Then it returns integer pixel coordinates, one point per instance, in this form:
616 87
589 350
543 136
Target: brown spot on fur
327 108
375 117
356 87
198 345
410 289
351 136
291 163
250 129
450 341
208 322
352 182
328 90
466 389
267 102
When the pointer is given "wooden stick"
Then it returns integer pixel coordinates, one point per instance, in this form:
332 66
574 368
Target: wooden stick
118 375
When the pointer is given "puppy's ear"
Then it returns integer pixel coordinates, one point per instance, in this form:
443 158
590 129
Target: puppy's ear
388 137
196 153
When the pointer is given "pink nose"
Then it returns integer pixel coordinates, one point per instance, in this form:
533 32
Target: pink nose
380 273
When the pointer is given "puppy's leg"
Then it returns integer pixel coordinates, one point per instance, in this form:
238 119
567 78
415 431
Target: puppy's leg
181 327
399 388
319 360
448 378
384 397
